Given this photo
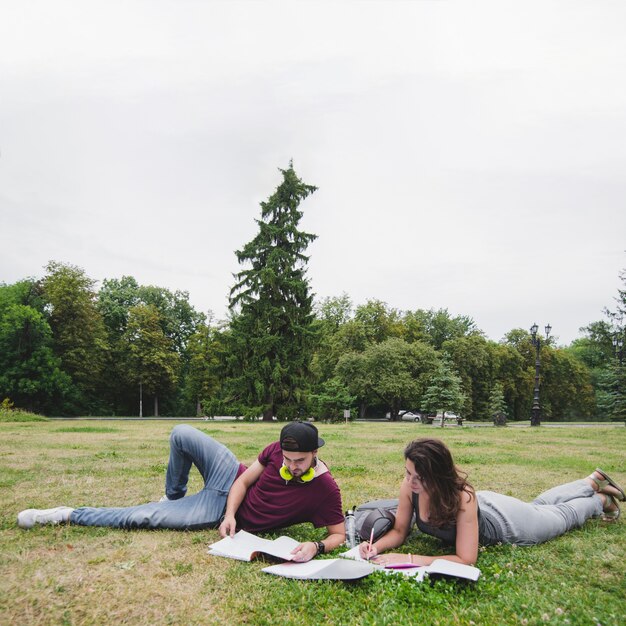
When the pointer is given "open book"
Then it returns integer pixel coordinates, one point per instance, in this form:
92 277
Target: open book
319 569
245 546
439 567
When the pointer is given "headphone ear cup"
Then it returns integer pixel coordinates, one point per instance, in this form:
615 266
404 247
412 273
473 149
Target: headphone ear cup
308 476
285 474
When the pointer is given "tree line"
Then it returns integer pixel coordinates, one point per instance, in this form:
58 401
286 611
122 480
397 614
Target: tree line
70 348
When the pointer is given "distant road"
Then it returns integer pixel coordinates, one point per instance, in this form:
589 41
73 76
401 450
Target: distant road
229 418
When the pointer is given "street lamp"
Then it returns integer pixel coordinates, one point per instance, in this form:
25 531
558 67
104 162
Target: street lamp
535 413
618 345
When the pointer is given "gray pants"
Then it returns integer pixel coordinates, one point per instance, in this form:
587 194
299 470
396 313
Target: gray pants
509 520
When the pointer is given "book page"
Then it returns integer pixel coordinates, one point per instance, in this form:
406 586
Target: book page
245 546
318 569
353 553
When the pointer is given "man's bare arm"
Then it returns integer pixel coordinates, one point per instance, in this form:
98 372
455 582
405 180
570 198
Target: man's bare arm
236 495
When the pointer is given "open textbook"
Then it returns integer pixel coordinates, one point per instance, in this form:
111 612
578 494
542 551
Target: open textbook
441 567
245 546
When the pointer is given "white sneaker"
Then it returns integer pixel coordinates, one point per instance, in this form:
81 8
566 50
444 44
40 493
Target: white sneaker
30 517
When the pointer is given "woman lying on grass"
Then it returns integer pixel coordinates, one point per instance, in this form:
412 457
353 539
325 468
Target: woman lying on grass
447 507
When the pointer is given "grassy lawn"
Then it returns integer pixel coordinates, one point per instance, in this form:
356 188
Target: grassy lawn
75 575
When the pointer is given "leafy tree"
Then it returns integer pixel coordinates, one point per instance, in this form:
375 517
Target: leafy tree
116 298
519 339
444 392
394 372
153 363
202 382
330 401
474 358
520 358
271 334
595 348
436 327
333 343
334 312
352 371
78 330
566 390
517 381
378 321
179 319
373 322
30 373
332 315
26 292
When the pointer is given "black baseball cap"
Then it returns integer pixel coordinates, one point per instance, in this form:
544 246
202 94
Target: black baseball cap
300 437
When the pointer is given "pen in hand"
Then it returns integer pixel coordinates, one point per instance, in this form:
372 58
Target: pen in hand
369 548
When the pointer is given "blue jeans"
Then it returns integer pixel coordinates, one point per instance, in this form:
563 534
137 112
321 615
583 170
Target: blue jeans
551 514
218 467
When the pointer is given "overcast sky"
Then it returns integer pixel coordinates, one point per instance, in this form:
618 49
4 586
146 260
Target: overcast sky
469 155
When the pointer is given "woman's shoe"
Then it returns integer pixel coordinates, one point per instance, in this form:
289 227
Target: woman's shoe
605 482
613 514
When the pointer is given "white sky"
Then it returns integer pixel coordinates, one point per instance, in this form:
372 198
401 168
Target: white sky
469 155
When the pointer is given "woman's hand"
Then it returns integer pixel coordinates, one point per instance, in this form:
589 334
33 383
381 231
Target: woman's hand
395 558
365 552
391 558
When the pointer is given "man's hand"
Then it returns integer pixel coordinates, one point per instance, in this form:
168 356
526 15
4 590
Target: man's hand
304 552
228 527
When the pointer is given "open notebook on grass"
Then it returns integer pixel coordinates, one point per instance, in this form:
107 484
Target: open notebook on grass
439 567
245 547
323 569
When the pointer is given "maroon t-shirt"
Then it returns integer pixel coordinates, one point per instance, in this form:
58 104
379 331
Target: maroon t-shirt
271 502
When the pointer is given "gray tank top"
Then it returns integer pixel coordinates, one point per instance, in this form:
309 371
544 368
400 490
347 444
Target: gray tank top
447 534
489 530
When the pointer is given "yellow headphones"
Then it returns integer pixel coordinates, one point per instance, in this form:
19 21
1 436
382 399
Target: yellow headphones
308 476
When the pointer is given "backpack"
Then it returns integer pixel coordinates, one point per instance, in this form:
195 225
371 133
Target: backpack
379 515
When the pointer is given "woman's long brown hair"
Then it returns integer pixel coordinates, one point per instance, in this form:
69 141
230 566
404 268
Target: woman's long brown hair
443 481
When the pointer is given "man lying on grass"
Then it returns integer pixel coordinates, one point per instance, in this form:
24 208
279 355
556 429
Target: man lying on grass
286 485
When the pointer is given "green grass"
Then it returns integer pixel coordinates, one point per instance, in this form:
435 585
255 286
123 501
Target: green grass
77 575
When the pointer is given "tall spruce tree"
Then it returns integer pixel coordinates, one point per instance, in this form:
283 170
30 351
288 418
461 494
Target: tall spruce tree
445 392
272 336
497 405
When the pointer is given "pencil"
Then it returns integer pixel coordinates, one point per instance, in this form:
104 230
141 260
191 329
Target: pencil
371 540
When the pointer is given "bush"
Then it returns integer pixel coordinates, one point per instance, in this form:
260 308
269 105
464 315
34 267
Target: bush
8 413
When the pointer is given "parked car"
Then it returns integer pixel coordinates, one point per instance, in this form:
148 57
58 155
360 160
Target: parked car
450 416
413 416
410 416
